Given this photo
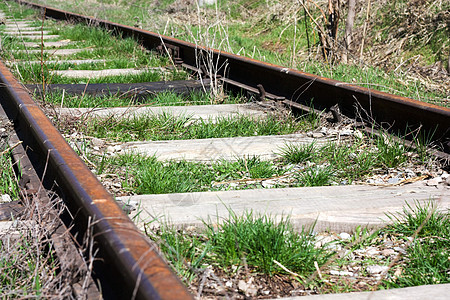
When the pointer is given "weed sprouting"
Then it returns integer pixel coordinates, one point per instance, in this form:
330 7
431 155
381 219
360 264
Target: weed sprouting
426 215
391 152
261 240
296 154
8 181
422 143
185 253
428 231
256 168
315 176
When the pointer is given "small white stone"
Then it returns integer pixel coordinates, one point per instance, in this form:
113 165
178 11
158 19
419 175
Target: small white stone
358 134
332 132
434 182
388 244
345 235
333 246
242 286
110 149
376 269
333 272
317 135
97 142
388 252
206 2
322 240
394 180
6 198
346 132
341 273
268 183
372 251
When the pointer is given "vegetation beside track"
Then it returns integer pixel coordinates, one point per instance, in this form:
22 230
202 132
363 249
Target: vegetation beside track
396 58
27 269
388 154
8 180
28 264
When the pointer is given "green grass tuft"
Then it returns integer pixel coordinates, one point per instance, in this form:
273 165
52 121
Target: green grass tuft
427 259
167 126
259 241
315 176
8 180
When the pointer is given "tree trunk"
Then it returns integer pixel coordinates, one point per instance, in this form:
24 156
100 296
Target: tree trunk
329 41
348 29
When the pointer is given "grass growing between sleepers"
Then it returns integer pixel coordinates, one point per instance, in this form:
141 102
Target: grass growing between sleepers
262 246
331 163
351 161
35 72
17 11
98 44
147 175
166 126
256 241
124 99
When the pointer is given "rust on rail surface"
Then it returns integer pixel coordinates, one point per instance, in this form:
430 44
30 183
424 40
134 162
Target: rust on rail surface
375 107
139 268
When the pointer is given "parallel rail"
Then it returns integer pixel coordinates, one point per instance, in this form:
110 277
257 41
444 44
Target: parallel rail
392 112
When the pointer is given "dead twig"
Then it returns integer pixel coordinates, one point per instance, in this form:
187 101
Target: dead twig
10 148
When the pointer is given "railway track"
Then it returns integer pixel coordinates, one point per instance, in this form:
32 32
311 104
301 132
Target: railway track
128 264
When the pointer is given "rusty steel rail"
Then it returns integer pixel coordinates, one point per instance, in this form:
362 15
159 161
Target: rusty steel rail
396 113
128 261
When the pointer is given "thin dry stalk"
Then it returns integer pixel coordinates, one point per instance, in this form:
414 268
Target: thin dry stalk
364 30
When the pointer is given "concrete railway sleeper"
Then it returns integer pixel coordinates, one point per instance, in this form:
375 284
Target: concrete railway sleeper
169 147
